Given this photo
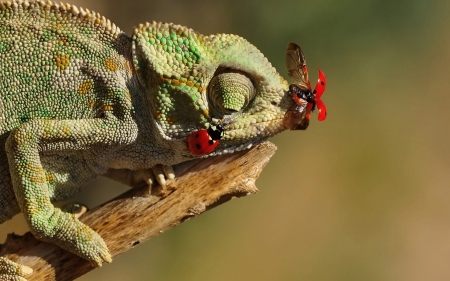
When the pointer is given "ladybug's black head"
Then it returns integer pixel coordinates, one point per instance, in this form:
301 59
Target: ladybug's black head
215 132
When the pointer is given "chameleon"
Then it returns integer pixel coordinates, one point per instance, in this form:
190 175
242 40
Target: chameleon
80 99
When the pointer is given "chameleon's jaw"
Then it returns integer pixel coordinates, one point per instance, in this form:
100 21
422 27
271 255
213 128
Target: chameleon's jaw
239 147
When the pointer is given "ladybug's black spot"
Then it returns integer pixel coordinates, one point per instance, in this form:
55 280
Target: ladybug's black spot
210 142
321 82
196 135
198 146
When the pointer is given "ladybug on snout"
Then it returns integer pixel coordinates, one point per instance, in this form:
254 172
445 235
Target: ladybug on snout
204 141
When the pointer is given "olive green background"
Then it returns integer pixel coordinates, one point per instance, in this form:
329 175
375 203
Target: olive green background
363 195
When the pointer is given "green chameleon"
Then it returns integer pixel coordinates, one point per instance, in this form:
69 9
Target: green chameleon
79 99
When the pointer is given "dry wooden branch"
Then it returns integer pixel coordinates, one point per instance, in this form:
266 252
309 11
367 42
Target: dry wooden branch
132 218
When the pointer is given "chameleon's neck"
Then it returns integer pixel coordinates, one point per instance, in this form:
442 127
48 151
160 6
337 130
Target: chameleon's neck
151 146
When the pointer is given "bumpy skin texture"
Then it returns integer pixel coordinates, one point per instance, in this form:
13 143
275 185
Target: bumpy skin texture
79 99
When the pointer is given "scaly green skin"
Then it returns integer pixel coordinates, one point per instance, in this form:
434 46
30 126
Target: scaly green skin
79 99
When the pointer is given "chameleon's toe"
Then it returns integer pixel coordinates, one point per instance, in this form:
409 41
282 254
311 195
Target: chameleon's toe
104 257
168 171
163 173
76 209
12 271
96 250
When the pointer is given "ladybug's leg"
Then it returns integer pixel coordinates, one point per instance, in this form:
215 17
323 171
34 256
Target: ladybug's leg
301 108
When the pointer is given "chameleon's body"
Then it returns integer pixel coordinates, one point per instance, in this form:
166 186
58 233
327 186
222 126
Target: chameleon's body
78 98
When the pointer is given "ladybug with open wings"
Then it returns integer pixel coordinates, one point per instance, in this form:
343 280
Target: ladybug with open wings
301 91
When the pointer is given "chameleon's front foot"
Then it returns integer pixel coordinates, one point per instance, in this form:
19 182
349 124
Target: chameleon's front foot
158 173
66 231
12 271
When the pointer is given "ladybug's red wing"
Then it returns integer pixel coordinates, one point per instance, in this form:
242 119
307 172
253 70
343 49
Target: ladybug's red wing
296 66
200 143
320 86
318 92
322 109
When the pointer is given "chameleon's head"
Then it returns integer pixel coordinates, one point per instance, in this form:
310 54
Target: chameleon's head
194 80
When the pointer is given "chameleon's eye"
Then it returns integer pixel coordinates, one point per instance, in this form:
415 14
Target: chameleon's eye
229 92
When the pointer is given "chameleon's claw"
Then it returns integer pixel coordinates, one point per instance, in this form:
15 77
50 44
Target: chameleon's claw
149 179
158 172
163 173
168 172
104 257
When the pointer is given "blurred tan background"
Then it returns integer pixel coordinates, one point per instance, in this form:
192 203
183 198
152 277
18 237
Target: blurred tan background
362 196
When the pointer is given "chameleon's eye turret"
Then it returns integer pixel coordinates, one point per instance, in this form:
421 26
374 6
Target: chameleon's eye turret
229 91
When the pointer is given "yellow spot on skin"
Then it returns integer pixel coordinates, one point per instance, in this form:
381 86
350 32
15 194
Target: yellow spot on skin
63 41
171 120
206 113
176 82
106 107
158 115
128 66
49 177
34 168
66 131
47 133
85 87
62 62
37 179
110 65
90 103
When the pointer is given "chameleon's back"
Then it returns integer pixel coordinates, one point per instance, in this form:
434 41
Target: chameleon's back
55 60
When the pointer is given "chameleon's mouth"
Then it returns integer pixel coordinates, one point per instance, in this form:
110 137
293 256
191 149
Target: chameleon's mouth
239 147
261 131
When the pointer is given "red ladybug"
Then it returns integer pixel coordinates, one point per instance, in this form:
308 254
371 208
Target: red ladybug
204 141
301 89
